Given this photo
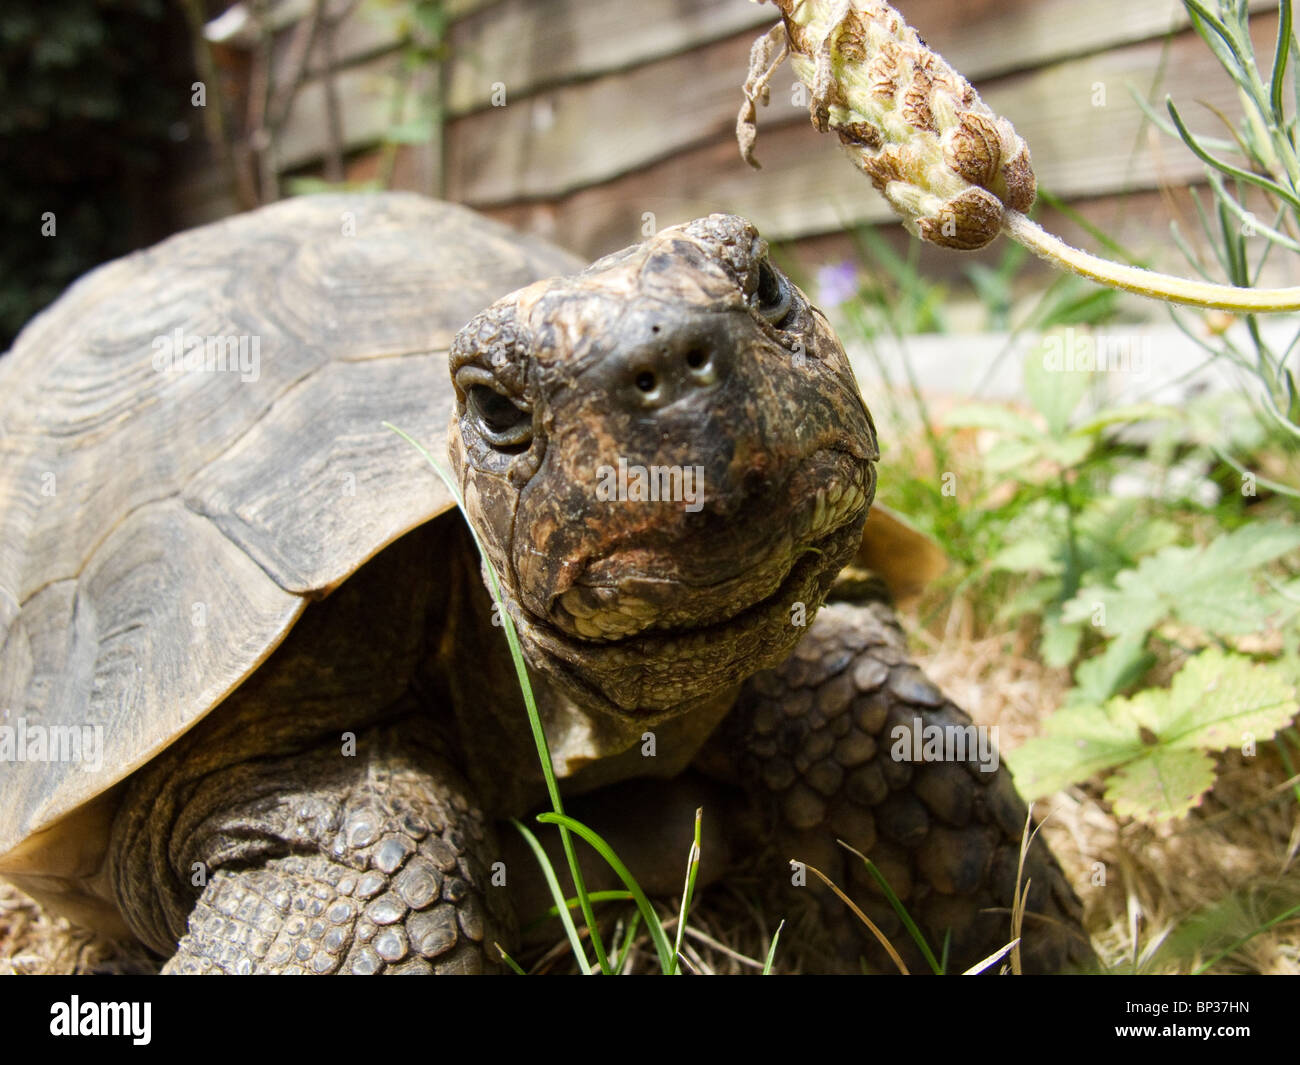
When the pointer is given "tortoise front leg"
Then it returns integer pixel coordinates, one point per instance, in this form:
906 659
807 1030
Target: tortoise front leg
813 743
323 863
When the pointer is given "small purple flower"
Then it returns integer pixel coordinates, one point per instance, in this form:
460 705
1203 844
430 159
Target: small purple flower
837 283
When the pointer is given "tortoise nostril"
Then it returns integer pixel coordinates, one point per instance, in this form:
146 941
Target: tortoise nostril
654 329
646 381
696 358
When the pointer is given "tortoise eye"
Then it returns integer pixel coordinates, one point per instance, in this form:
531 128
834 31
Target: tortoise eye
502 423
772 297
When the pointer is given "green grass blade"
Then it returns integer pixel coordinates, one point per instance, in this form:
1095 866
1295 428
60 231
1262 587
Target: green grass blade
692 871
771 950
653 924
1280 56
899 908
629 938
521 672
552 882
1284 915
1190 140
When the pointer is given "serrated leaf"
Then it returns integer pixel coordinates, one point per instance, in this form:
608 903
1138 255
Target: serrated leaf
1161 785
1080 741
1210 588
1217 697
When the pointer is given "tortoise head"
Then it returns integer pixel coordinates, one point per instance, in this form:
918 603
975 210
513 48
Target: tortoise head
667 460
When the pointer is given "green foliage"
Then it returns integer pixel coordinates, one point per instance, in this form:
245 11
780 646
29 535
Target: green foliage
1259 155
1158 743
91 91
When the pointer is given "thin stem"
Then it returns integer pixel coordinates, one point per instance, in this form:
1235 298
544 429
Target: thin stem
1146 282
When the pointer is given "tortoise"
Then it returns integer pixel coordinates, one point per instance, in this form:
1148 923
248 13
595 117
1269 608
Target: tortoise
258 710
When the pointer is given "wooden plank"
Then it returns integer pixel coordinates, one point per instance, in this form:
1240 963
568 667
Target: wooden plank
806 187
530 46
573 136
366 93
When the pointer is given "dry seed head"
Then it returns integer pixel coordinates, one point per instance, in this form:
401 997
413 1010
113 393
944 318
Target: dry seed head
939 155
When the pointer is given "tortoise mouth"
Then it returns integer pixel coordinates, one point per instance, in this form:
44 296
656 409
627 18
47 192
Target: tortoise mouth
659 673
636 591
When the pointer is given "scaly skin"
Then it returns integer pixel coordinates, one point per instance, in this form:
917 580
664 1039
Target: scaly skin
366 864
811 742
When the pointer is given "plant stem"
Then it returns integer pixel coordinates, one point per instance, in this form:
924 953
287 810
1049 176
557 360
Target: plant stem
1146 282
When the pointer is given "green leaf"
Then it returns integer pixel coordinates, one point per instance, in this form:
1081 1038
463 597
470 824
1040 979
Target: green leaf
991 416
1162 785
1080 741
1211 588
1054 393
1060 641
1100 677
1027 556
1007 455
1218 698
